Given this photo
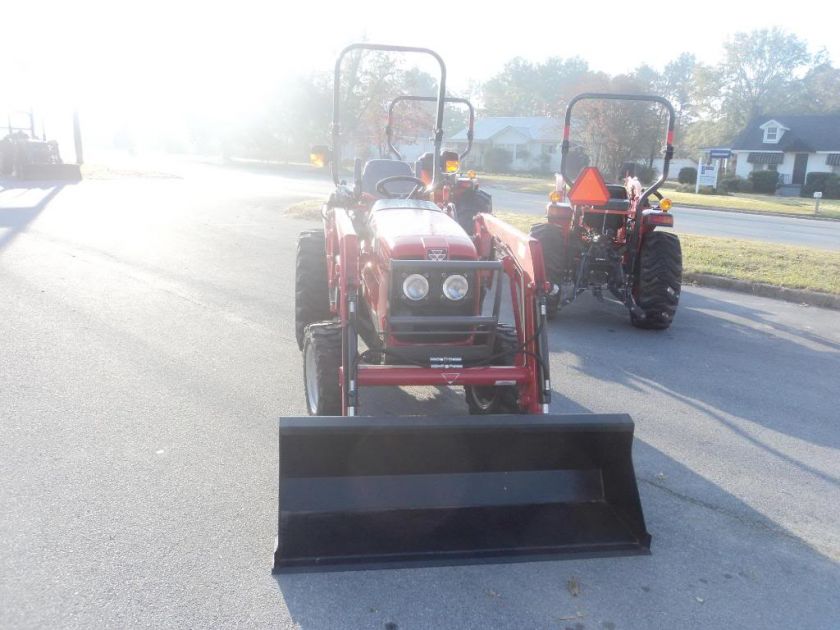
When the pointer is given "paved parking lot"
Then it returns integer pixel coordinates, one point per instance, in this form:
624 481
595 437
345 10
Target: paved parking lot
147 350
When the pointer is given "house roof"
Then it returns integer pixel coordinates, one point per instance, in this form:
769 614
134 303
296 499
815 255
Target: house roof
805 133
532 127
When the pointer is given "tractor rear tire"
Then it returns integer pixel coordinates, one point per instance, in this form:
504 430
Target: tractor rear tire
488 399
471 203
321 364
658 280
312 297
551 238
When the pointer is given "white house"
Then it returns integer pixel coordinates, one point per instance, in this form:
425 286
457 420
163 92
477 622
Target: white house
793 146
674 168
532 141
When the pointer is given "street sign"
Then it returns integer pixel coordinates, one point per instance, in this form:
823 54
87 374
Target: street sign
707 175
720 154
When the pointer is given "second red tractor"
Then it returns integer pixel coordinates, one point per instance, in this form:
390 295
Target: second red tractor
604 236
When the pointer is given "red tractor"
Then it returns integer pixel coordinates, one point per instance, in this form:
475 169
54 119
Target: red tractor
394 267
604 236
393 271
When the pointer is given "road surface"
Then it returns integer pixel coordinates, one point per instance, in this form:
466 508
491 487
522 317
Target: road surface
148 348
773 229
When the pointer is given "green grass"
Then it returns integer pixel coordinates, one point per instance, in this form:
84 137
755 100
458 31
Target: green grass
752 261
308 209
739 201
758 203
518 183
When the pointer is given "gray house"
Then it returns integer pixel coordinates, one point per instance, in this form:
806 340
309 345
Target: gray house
532 141
791 145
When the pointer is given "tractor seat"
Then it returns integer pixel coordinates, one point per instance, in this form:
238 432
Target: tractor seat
618 199
377 170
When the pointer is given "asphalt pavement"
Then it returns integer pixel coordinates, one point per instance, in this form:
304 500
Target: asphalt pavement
758 227
147 350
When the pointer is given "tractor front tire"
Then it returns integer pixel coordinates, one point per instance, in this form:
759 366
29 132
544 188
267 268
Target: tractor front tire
312 297
488 399
321 364
551 239
658 280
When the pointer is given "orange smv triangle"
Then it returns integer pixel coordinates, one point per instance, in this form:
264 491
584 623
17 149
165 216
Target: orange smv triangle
589 189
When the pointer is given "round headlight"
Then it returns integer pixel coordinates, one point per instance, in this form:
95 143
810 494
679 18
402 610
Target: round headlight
415 287
455 287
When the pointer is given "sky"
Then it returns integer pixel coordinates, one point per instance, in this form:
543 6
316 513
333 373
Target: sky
154 58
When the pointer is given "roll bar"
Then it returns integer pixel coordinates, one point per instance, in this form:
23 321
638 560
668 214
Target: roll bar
335 154
389 128
669 139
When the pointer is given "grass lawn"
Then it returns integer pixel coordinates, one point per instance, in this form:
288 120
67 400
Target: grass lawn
739 201
758 203
309 209
754 261
519 183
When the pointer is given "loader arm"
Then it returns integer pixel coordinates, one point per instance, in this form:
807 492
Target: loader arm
526 276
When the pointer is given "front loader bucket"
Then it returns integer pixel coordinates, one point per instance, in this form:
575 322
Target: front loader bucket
368 492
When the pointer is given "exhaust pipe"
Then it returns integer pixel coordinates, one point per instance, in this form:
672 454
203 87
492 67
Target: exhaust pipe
371 492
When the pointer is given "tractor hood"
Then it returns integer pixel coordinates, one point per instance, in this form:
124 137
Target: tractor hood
418 230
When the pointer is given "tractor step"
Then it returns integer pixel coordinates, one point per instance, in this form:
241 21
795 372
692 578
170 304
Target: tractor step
370 492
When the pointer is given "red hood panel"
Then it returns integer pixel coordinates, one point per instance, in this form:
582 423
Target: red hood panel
409 232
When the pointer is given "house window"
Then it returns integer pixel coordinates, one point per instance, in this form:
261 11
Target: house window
772 167
771 134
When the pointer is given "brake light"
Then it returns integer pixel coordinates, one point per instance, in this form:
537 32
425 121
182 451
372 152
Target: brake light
659 218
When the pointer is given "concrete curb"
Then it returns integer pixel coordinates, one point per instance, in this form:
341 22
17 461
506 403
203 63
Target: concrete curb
789 215
798 296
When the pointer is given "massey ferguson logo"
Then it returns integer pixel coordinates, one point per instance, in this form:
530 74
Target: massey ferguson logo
436 254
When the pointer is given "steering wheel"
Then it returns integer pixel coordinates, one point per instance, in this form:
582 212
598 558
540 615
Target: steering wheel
381 186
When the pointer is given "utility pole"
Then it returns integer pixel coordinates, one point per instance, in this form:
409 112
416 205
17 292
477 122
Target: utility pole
77 138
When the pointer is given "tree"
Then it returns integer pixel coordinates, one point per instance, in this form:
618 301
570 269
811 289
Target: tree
819 90
678 84
523 88
759 72
616 132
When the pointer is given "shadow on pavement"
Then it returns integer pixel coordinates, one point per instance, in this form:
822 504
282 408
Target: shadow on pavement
20 203
719 357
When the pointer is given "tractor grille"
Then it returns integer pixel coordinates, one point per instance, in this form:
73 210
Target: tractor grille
436 319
